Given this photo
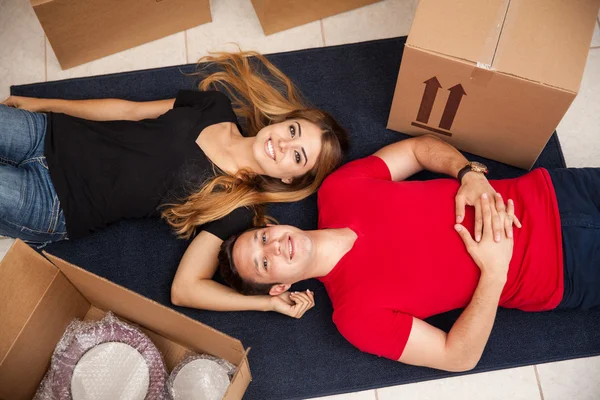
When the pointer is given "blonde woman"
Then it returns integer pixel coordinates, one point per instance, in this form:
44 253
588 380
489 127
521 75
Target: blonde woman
70 168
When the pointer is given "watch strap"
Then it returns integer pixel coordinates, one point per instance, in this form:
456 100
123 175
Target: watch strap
463 171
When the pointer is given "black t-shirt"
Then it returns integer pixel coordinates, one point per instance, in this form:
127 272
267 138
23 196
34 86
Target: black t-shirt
105 171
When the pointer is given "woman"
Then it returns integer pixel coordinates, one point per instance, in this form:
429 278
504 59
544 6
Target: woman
87 164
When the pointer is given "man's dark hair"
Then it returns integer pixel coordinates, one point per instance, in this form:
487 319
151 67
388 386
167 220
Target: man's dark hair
231 275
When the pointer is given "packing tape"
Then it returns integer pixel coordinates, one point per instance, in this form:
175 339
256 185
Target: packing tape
483 72
481 75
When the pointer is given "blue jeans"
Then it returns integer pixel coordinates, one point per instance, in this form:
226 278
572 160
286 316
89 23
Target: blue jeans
29 207
578 196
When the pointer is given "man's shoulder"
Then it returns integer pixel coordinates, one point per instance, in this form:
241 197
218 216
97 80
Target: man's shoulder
351 296
348 309
353 170
364 164
357 316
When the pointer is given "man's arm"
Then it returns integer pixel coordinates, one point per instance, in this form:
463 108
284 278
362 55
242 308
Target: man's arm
461 348
409 156
95 109
193 285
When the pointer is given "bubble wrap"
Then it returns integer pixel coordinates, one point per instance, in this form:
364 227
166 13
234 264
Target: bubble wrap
200 377
104 359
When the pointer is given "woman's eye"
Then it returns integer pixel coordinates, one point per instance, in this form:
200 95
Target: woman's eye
264 238
298 158
292 131
265 262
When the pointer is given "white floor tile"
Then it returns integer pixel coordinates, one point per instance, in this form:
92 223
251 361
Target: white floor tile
579 130
5 244
366 395
513 384
573 379
21 46
22 60
389 18
596 37
163 52
235 22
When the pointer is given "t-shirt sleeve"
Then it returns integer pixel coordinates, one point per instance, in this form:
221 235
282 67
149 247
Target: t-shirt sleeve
216 104
236 222
197 98
368 167
382 332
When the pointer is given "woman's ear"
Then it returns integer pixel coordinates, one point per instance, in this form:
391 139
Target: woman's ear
276 290
287 181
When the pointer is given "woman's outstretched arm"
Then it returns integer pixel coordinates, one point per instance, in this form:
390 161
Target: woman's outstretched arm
95 109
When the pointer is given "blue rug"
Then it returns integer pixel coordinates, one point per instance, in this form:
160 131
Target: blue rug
296 359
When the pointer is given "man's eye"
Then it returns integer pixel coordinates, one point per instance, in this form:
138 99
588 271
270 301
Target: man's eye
265 262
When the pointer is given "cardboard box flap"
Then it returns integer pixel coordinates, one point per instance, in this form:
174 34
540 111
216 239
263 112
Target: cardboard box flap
35 3
34 297
27 360
279 15
21 267
466 29
240 381
138 309
547 41
84 30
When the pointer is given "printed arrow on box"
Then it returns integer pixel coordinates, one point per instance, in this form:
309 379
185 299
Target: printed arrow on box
431 88
456 94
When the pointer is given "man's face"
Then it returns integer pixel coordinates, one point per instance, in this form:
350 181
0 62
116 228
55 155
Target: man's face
274 254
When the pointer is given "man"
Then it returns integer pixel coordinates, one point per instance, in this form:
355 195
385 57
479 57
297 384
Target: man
389 251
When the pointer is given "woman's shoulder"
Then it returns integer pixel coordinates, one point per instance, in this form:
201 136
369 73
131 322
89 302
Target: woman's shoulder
201 98
233 223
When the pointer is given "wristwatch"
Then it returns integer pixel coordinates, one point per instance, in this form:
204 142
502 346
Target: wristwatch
472 166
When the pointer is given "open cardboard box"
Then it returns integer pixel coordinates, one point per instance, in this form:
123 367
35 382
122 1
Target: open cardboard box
39 298
279 15
80 31
493 77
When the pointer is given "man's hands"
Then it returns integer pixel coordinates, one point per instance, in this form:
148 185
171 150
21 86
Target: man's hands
490 255
474 185
293 304
25 103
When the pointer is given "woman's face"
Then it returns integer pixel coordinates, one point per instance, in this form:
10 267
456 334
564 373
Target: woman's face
288 149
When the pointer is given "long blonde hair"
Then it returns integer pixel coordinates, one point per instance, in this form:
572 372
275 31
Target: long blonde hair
258 100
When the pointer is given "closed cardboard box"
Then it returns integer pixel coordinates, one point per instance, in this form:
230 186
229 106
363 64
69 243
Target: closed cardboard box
80 31
39 298
495 77
279 15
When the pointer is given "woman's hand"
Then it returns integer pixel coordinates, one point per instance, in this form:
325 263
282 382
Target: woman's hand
473 186
492 256
293 304
25 103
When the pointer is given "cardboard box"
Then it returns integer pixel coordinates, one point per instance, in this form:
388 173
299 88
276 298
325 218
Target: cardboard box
39 298
493 77
279 15
84 30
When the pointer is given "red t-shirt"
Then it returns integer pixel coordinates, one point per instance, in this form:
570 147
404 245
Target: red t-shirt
409 261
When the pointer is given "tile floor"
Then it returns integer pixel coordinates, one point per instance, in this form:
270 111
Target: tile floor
26 56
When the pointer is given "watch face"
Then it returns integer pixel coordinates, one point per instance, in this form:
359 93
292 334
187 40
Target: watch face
478 167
